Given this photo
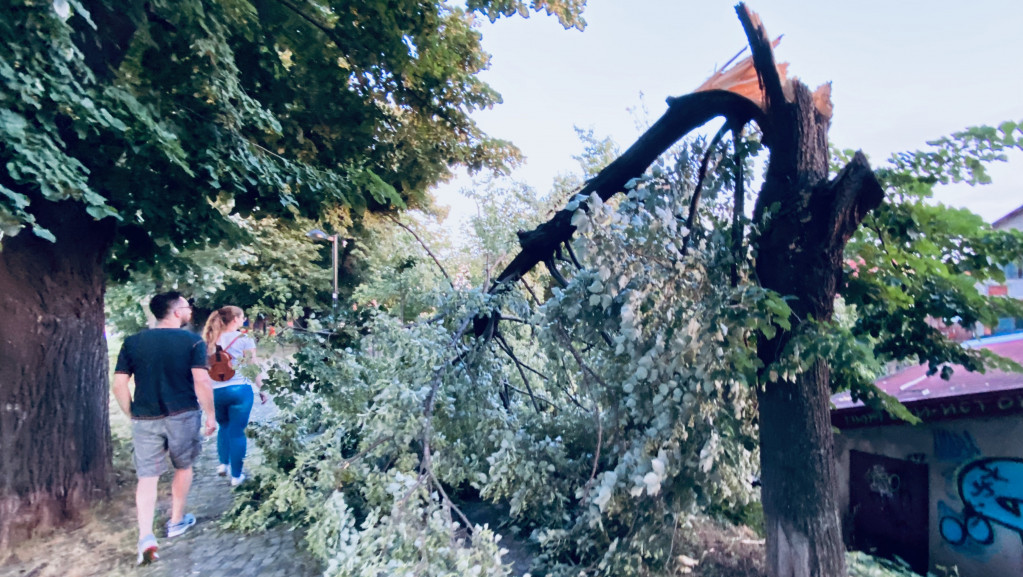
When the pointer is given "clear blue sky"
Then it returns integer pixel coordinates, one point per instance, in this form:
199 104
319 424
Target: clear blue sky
903 72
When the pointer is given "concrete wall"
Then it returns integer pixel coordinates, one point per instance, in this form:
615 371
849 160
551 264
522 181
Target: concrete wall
988 454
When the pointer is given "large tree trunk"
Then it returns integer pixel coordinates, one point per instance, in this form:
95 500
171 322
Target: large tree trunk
55 449
796 446
799 253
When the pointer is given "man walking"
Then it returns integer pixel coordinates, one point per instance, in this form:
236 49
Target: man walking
171 383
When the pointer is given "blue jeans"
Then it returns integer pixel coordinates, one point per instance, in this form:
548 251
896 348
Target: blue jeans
233 405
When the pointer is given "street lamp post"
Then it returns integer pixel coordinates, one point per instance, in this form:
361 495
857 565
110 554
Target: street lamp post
318 234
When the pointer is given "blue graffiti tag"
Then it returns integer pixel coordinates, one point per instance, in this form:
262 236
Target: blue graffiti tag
992 492
954 446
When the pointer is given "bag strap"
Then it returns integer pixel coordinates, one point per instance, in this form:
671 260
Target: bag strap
232 342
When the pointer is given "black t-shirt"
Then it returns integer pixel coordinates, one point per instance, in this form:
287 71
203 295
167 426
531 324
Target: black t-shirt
162 361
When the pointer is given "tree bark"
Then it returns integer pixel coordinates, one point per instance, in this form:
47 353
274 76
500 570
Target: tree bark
55 450
799 254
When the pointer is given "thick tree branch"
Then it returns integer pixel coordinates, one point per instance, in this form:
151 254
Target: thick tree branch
684 114
701 175
571 253
555 273
854 192
738 207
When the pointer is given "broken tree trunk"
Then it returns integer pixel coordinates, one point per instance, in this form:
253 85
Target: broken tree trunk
806 222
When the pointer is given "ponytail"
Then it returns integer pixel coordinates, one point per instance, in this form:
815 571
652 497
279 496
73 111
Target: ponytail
217 323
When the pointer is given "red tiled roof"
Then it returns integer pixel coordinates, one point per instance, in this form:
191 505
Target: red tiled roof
913 384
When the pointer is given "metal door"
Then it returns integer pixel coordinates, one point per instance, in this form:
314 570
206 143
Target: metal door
888 499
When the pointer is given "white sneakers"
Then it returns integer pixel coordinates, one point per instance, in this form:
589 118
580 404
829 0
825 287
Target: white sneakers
223 469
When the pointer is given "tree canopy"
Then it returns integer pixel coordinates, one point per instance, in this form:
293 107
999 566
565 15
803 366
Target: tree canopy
157 114
133 132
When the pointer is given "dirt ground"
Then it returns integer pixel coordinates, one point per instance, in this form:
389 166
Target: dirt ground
103 542
100 544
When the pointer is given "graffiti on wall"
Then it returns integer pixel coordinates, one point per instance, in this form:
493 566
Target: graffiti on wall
954 446
991 490
882 482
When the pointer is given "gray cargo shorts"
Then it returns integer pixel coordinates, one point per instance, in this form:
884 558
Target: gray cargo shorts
177 436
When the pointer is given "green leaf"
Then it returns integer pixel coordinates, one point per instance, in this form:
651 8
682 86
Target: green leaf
43 233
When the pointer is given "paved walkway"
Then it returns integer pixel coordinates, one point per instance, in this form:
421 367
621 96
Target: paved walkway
105 546
211 551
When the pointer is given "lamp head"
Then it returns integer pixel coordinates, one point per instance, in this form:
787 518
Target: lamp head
317 234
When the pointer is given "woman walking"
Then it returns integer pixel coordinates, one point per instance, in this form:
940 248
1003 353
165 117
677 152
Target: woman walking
232 391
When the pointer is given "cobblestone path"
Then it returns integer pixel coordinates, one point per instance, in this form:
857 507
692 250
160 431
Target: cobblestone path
105 546
210 551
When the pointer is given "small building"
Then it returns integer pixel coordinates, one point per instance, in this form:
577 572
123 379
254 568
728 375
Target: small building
1013 285
949 491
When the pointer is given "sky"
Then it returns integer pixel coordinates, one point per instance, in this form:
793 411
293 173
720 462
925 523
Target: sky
902 72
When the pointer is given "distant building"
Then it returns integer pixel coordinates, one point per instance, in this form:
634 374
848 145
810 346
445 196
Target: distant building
1011 221
948 491
1013 287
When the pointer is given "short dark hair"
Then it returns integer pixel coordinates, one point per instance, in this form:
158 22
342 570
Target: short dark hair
161 303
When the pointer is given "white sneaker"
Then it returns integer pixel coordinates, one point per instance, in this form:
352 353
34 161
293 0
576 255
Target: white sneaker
147 550
235 481
222 470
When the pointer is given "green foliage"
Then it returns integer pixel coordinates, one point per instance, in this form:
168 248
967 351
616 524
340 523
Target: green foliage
354 477
914 262
961 157
278 272
608 408
569 12
160 113
597 152
864 565
396 272
673 417
503 208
